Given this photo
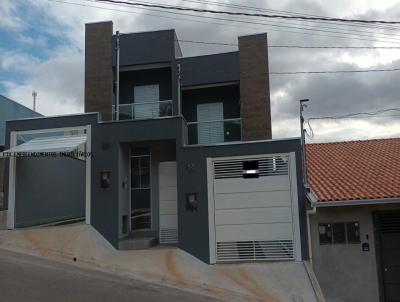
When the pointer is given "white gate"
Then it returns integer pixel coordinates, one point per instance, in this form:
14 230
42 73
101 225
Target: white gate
253 208
168 202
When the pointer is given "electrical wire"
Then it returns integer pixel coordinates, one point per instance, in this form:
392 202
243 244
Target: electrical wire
271 24
358 115
333 71
215 23
293 46
254 8
249 14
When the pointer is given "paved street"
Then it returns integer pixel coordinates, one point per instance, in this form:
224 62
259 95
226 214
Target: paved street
27 278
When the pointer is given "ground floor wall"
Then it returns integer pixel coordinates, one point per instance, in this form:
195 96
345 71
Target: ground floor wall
347 272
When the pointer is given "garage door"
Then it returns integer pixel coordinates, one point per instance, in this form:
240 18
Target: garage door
254 216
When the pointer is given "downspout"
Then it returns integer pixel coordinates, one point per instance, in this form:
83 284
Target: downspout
117 80
313 211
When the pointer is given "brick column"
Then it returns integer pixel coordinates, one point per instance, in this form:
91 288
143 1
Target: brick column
98 69
255 106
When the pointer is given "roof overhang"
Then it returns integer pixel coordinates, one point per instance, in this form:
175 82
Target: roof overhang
315 202
53 144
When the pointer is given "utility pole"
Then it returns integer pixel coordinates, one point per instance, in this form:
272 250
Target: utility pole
303 143
34 94
117 80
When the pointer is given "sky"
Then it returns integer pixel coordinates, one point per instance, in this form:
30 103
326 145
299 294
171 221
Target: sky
42 49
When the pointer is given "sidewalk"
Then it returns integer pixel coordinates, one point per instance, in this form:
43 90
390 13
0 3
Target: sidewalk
82 245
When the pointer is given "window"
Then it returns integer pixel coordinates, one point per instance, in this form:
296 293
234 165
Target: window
325 233
140 172
353 232
339 232
210 127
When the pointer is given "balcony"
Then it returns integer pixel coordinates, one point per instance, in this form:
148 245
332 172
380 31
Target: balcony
214 132
144 110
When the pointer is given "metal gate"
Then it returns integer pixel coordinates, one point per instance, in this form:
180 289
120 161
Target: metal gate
388 224
253 209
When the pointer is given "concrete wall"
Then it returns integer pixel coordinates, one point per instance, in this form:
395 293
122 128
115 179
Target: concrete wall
346 273
49 189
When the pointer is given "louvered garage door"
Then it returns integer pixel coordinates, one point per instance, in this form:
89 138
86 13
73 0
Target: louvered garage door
254 217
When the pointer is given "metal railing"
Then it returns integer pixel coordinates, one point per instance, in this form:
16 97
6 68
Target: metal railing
145 110
214 131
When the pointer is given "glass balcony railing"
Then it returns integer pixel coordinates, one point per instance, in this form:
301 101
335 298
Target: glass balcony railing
145 110
214 132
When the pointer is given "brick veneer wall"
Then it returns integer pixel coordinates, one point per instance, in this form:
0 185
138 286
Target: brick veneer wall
255 104
98 69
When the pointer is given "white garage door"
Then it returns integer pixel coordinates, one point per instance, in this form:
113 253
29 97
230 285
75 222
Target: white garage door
168 202
253 214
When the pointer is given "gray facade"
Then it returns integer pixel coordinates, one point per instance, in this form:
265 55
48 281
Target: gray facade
346 272
110 144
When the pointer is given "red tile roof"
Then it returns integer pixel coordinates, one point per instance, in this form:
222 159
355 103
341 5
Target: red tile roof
354 170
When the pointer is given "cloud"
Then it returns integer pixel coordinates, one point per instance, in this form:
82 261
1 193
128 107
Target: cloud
58 77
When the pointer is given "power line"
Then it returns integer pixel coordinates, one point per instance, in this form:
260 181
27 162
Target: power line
293 46
254 8
272 24
249 14
333 71
357 115
311 28
222 19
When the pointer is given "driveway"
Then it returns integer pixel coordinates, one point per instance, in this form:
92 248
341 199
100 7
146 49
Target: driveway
28 278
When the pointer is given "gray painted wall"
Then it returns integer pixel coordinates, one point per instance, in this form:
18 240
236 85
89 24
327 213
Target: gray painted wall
210 69
193 226
106 140
49 189
346 273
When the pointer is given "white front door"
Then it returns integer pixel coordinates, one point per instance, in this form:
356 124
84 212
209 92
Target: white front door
168 202
146 101
210 132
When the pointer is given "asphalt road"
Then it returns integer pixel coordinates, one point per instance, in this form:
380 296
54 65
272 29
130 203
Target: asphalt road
26 278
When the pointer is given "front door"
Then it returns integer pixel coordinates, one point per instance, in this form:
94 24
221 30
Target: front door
140 162
388 231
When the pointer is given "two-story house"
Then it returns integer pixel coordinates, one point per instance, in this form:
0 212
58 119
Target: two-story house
179 151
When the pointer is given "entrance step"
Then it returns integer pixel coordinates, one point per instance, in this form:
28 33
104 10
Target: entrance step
137 243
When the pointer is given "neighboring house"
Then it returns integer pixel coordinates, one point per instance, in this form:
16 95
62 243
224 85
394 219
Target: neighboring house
355 230
186 157
10 110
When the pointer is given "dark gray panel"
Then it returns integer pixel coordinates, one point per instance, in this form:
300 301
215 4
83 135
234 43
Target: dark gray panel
49 189
210 69
146 47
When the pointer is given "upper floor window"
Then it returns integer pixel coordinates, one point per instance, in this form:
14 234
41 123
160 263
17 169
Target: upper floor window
145 104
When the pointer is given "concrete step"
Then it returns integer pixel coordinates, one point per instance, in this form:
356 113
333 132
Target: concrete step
142 234
137 243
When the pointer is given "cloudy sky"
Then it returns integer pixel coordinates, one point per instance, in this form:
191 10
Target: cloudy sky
42 49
